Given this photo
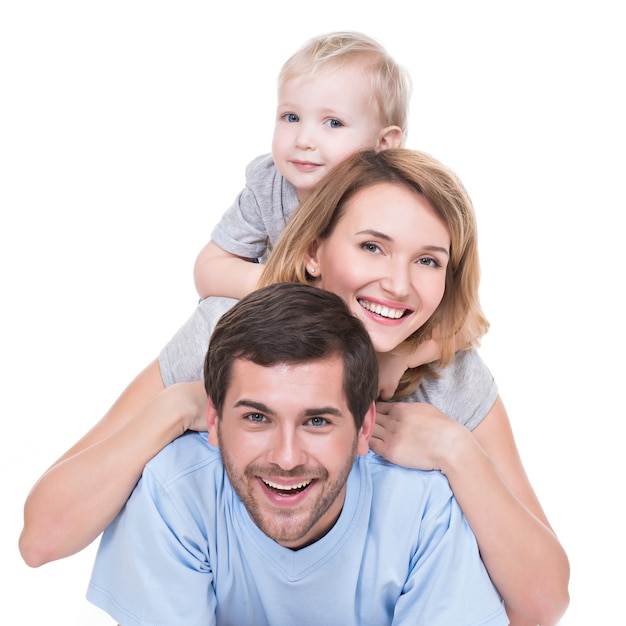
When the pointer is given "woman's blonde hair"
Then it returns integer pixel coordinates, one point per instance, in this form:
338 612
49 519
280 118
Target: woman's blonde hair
317 216
390 82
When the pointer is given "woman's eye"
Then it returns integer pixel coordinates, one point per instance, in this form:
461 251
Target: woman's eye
429 262
334 124
291 117
368 246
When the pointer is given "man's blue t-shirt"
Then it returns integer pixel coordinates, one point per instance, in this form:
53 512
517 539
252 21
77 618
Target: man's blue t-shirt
184 551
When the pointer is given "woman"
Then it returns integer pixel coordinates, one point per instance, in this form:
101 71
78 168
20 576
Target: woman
392 233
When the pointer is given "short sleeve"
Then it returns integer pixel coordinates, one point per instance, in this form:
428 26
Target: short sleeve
182 358
465 390
253 223
152 565
447 557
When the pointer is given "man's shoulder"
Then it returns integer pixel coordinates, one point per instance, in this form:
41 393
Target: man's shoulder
394 481
188 455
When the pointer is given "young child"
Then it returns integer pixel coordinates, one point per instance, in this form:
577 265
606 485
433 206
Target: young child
338 94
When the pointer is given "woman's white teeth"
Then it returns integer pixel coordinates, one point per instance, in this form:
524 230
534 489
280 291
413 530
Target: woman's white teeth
306 483
383 311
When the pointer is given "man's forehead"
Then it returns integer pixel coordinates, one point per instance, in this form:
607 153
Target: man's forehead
299 385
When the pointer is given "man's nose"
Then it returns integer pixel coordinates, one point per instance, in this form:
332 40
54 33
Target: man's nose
287 449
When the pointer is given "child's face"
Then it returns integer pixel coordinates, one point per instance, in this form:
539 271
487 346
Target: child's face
320 121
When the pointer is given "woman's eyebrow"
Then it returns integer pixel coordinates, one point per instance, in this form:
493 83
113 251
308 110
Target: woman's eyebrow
438 249
374 233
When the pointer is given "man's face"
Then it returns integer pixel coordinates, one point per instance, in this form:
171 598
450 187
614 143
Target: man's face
288 442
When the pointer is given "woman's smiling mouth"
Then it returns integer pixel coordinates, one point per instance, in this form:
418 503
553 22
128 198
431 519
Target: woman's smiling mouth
382 310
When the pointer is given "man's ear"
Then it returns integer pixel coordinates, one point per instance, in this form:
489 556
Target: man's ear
365 433
212 423
390 137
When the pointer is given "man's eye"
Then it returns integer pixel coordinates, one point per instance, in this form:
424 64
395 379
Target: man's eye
255 418
318 421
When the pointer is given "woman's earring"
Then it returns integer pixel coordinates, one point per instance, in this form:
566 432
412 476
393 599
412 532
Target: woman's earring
312 270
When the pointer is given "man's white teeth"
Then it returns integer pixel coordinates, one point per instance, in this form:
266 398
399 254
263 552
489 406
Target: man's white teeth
302 485
383 311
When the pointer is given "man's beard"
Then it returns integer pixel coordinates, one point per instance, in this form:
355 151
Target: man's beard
290 524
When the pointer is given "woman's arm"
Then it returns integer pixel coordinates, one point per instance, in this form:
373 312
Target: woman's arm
521 552
74 501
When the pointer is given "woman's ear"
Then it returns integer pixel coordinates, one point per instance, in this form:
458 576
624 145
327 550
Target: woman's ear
212 423
311 259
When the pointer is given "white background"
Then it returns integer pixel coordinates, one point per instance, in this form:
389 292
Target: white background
125 131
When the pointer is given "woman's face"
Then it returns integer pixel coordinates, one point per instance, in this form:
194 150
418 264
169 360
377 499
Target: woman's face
386 258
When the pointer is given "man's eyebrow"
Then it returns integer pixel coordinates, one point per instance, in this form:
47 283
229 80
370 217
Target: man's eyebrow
312 412
324 410
259 406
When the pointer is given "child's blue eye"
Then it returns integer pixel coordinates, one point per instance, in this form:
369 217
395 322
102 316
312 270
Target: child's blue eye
291 117
334 123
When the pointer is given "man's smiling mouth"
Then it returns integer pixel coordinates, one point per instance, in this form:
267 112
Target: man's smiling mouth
287 489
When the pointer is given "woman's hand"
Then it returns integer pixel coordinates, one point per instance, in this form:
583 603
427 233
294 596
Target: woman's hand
185 401
416 435
521 552
390 369
392 365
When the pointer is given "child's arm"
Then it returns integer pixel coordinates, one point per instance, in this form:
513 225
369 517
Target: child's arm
220 273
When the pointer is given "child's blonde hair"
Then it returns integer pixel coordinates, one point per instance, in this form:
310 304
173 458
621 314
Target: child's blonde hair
390 82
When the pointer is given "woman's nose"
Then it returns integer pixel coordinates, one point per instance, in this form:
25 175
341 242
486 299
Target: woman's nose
397 281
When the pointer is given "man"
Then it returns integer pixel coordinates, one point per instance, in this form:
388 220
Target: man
281 516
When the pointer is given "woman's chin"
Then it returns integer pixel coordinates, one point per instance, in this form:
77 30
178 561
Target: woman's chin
383 345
